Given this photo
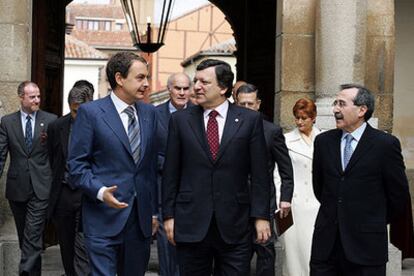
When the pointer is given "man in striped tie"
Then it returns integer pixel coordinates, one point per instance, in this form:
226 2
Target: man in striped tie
113 159
359 179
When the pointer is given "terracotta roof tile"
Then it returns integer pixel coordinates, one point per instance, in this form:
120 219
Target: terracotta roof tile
77 49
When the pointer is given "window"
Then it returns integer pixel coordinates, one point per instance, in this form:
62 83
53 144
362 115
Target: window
107 26
118 26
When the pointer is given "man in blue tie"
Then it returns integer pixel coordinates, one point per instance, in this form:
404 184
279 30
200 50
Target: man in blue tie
359 179
23 134
113 159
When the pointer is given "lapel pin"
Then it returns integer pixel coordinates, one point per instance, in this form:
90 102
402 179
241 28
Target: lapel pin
42 124
236 120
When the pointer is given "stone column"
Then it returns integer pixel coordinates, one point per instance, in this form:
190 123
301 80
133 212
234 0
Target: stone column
15 58
340 39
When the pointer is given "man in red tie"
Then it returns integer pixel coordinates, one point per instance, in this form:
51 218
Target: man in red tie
212 150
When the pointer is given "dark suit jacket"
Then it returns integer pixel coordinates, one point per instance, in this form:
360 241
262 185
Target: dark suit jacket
195 187
359 202
279 154
100 155
163 118
58 134
28 171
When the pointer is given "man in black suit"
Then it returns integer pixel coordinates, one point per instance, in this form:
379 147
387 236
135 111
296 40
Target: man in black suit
247 96
208 200
23 134
65 202
359 179
179 88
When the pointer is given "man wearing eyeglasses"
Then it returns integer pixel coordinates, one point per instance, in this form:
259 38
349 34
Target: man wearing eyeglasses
179 88
359 179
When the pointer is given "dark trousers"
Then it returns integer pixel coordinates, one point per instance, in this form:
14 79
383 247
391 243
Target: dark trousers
338 265
30 217
266 254
67 220
126 254
197 259
167 255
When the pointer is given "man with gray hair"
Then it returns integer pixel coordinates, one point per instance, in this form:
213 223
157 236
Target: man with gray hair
359 179
179 88
23 134
65 202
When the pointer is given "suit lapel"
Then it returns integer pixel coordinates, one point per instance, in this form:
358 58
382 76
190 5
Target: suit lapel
144 122
363 146
39 128
165 116
112 119
196 122
232 124
18 129
335 150
64 129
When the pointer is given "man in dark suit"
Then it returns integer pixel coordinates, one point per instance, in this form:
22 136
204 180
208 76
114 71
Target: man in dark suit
359 179
113 159
247 96
179 88
65 202
208 201
23 134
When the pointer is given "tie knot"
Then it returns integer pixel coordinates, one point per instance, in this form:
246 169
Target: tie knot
349 138
28 118
130 111
213 114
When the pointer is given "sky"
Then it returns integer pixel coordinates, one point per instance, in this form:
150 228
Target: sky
180 6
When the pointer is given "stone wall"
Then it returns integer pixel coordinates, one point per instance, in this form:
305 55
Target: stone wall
15 58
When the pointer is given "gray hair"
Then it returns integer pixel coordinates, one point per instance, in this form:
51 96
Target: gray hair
79 95
171 79
363 97
22 86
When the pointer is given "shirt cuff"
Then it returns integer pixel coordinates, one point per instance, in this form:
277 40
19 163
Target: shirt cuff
100 193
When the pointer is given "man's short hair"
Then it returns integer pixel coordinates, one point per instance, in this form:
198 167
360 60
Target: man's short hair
121 62
171 79
247 89
79 95
22 86
363 97
224 75
84 84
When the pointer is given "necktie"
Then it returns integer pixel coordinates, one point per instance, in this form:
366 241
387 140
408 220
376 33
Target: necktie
348 149
28 139
134 136
213 134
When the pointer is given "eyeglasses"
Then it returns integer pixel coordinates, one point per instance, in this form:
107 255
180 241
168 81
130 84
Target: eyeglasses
339 103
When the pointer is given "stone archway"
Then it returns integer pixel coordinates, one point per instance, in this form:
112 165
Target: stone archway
254 26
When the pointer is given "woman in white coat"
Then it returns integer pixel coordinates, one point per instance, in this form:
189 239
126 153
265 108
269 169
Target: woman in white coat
298 238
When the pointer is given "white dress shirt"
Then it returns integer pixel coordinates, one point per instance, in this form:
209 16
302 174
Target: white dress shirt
221 117
356 134
23 118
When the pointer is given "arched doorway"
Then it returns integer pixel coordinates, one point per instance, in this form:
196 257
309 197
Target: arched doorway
254 26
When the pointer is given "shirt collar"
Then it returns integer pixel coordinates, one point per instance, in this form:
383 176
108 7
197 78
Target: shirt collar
24 114
120 105
221 109
357 133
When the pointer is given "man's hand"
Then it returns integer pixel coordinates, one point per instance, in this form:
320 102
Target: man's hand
262 230
155 225
284 207
169 230
110 200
